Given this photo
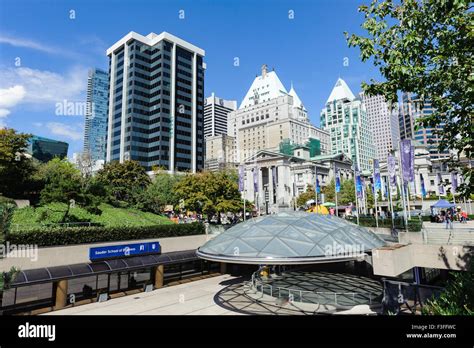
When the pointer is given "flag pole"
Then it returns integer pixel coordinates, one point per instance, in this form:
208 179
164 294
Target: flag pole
335 189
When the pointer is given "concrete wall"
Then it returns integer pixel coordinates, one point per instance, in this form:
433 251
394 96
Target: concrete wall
67 255
396 259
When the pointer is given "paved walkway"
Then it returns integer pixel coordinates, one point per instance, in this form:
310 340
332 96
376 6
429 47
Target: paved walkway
220 295
195 298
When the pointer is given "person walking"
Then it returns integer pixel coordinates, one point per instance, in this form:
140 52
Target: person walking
449 220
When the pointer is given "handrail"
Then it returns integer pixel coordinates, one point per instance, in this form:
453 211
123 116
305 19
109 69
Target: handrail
256 283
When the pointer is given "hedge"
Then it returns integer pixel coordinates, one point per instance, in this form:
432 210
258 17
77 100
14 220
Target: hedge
414 225
80 235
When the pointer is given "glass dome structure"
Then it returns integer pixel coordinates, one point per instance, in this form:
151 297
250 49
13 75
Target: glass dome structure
291 238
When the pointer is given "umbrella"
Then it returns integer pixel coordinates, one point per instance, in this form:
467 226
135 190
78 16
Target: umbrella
329 204
311 201
320 209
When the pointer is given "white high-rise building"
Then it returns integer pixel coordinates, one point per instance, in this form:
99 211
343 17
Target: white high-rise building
345 118
269 115
156 102
216 111
383 124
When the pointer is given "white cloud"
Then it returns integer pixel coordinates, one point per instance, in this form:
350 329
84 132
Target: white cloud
9 97
64 130
46 87
35 45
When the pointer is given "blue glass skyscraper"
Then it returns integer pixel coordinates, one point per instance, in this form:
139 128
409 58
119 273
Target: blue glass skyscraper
95 130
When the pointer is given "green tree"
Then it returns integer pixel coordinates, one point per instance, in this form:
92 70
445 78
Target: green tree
210 193
306 196
62 183
161 192
426 48
6 216
456 299
6 281
15 164
329 191
347 194
123 182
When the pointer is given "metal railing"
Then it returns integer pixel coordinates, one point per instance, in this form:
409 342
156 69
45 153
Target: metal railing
338 299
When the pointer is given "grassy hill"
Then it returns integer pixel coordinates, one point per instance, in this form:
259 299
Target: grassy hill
30 217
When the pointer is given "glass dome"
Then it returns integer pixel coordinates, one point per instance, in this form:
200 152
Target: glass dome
291 238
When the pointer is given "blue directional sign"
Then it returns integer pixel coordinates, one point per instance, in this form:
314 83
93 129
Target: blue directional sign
124 250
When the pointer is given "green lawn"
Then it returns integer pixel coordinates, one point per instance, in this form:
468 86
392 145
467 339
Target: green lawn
29 217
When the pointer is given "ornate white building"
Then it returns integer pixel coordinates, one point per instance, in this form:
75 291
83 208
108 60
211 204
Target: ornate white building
270 114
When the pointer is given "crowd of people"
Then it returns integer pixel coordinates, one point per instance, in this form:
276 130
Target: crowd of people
451 215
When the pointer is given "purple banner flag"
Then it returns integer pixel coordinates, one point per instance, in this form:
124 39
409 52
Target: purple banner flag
241 178
412 164
440 184
454 182
255 179
391 170
406 156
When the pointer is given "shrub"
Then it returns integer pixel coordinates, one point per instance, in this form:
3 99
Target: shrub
80 235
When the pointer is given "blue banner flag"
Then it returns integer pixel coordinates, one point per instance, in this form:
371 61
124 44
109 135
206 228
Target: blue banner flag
338 181
377 182
358 182
423 189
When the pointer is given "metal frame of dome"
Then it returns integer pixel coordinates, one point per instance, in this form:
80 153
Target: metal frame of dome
290 238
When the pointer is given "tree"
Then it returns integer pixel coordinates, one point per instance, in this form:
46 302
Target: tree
210 193
15 164
161 192
426 48
456 299
306 196
124 182
329 191
347 194
6 216
63 183
6 281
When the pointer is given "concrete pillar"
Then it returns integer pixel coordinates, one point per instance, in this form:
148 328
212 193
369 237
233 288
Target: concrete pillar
223 268
61 294
270 186
159 273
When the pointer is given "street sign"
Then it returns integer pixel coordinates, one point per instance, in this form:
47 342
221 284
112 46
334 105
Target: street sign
124 250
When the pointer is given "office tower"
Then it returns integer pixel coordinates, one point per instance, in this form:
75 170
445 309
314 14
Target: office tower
411 111
268 116
95 126
156 102
216 111
44 149
345 118
383 121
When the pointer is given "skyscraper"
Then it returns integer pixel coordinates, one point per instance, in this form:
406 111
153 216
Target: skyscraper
156 103
95 128
383 123
216 111
345 118
411 111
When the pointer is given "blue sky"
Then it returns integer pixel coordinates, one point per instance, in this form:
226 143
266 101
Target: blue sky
45 55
